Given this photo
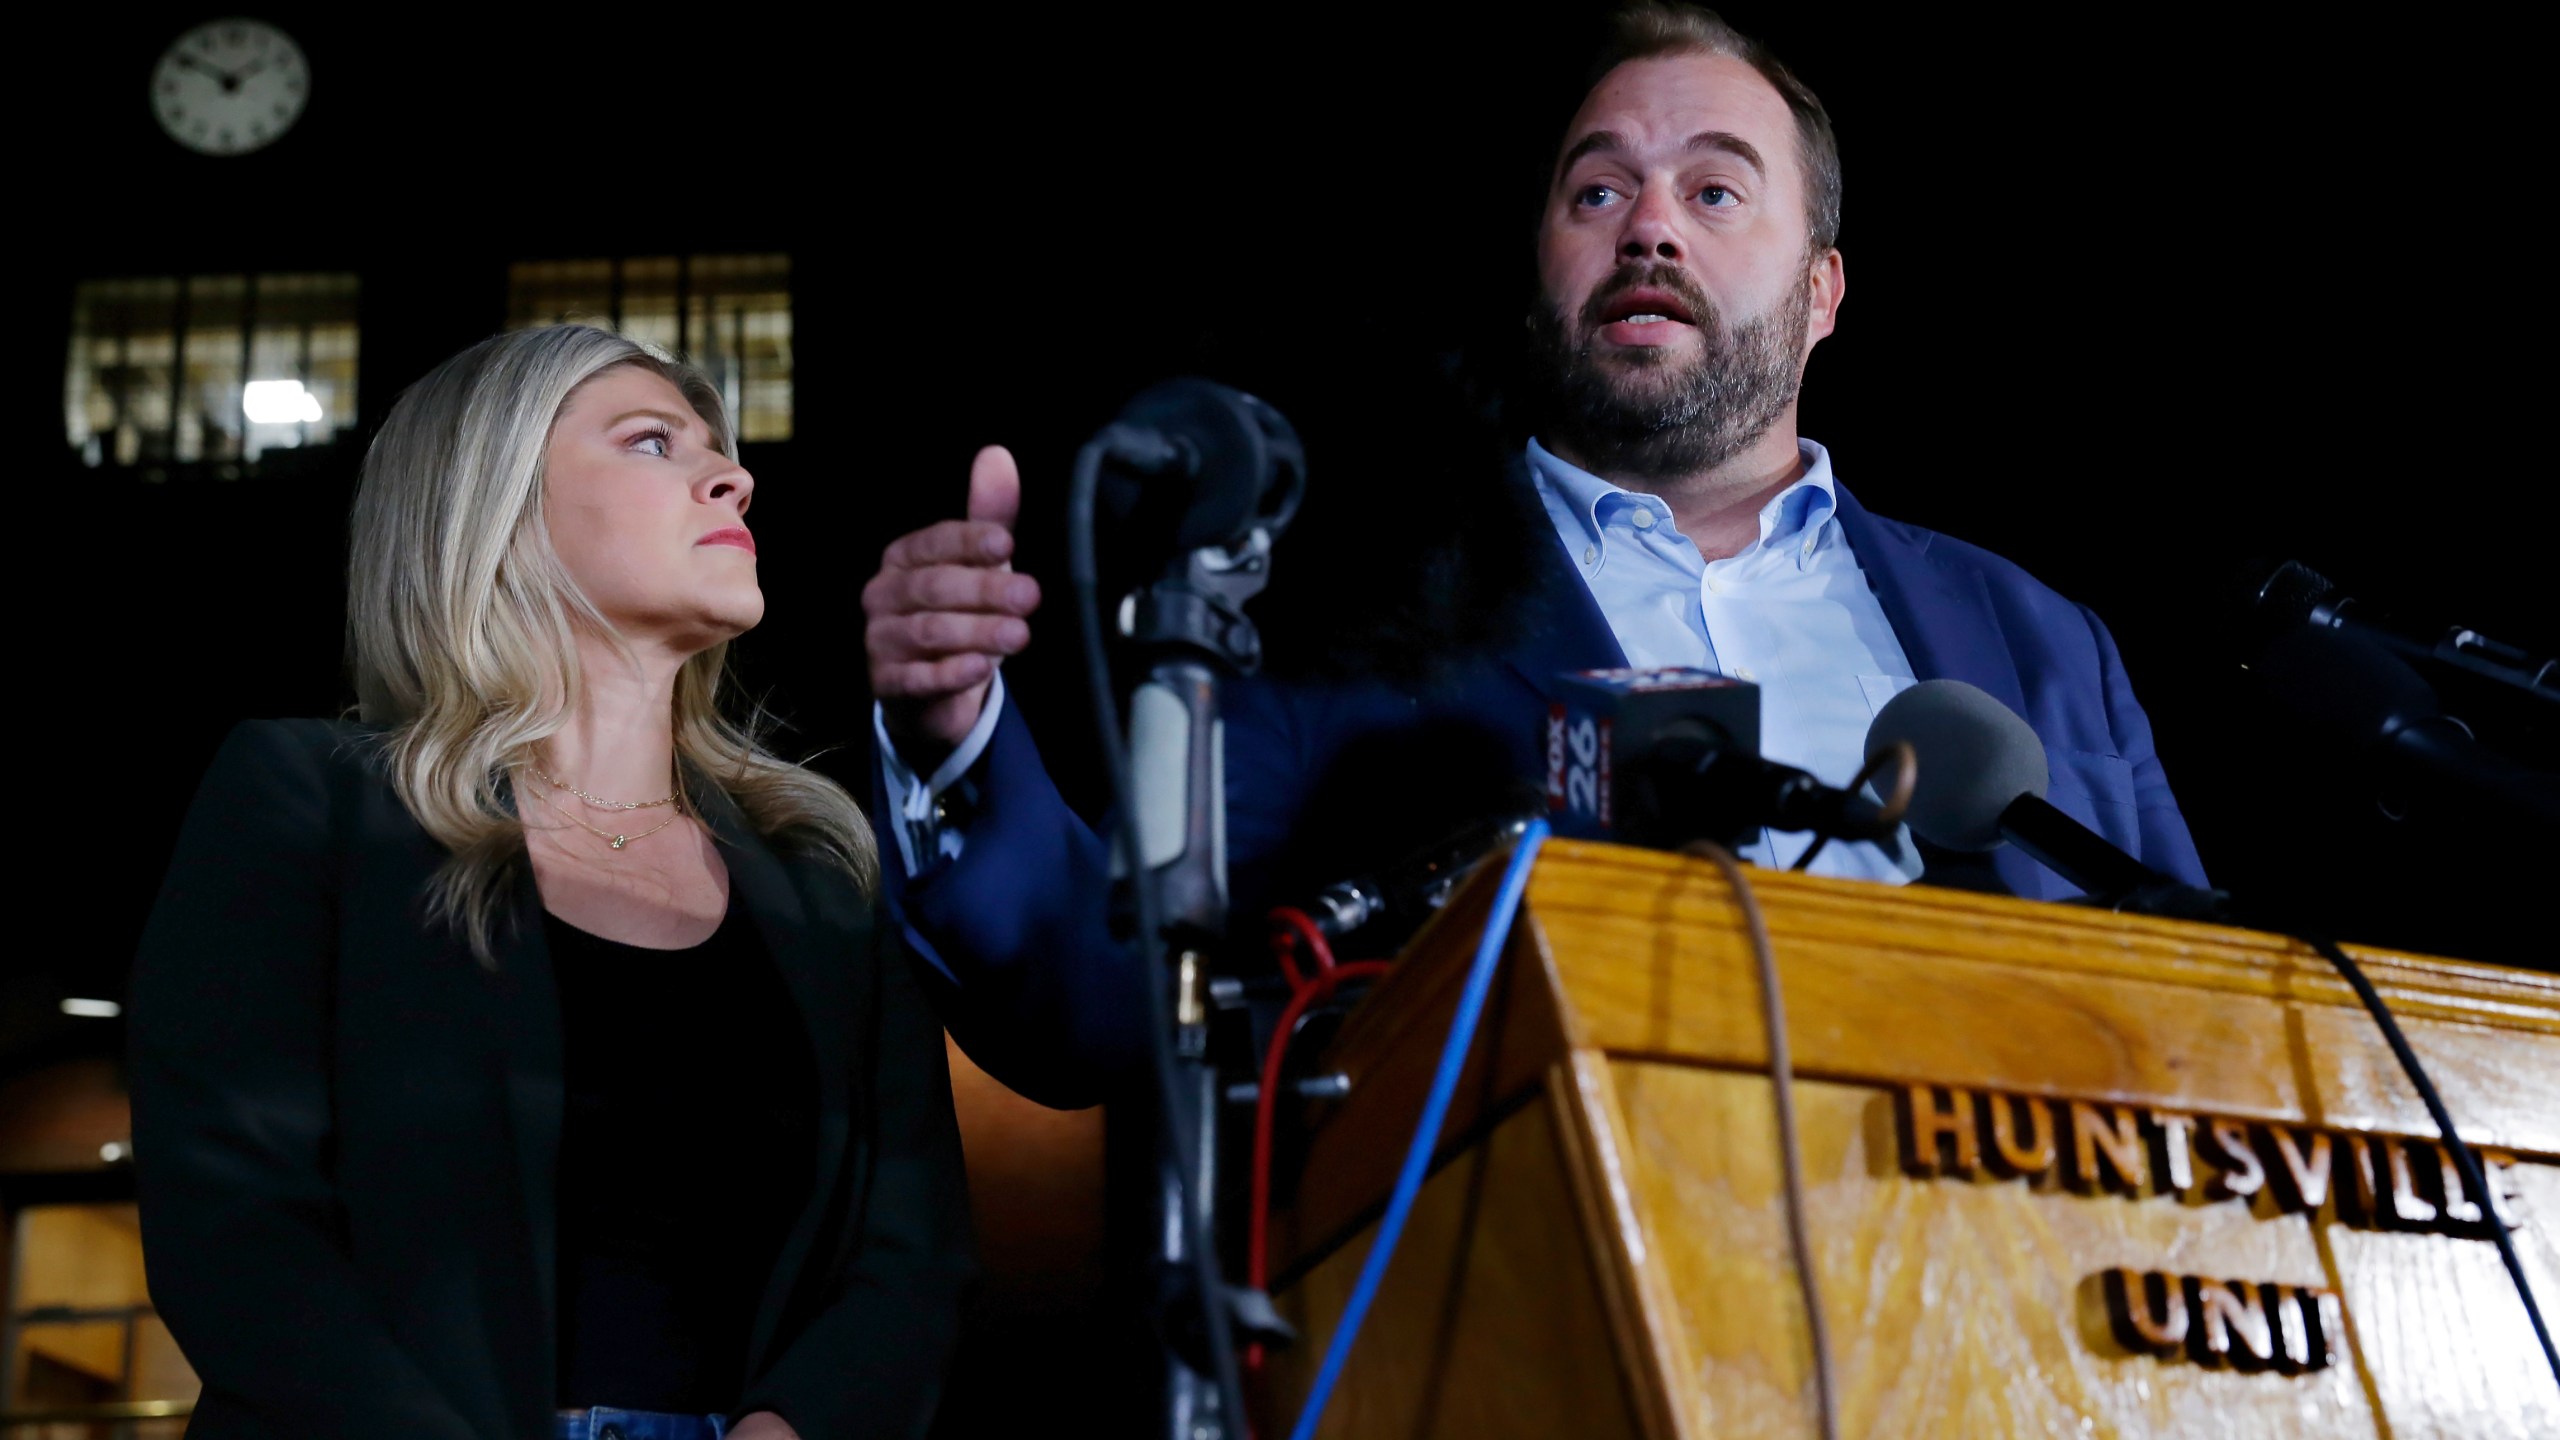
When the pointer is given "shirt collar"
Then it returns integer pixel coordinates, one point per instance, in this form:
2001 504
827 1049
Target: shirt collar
1803 509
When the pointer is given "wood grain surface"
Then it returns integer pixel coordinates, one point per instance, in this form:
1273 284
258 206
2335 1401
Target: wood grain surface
1493 1319
1627 1038
1969 1308
1913 984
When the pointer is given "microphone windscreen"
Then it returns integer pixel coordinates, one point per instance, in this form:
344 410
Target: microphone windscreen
1976 756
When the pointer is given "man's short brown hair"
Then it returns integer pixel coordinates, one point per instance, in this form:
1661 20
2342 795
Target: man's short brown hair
1653 28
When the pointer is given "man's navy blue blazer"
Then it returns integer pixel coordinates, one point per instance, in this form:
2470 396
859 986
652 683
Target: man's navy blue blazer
1039 993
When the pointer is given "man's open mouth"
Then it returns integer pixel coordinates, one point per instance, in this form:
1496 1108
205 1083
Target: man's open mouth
1646 305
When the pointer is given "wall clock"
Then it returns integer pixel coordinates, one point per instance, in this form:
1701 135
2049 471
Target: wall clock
228 87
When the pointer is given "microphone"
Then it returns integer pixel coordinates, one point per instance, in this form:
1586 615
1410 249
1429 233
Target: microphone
1399 897
2344 685
1196 465
2293 596
1196 480
1665 756
1981 783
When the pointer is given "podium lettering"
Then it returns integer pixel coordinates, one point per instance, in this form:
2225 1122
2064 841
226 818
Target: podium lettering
2375 1181
2249 1326
2294 1350
2008 1156
1929 1115
2324 1322
2459 1208
2173 1150
2147 1310
2409 1209
2362 1189
2299 1174
2107 1150
2230 1325
2237 1171
2506 1196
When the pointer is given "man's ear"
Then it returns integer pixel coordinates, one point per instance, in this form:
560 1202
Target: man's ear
1828 283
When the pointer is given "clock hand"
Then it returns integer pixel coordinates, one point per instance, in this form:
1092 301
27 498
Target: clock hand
230 79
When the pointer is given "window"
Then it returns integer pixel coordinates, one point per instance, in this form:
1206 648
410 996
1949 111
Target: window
728 314
82 1342
185 369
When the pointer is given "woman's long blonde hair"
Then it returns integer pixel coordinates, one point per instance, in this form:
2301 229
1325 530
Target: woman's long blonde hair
461 622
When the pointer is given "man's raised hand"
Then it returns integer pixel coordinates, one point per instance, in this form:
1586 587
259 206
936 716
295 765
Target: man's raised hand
945 607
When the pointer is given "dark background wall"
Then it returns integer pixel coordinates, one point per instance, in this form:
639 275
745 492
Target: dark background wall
2129 298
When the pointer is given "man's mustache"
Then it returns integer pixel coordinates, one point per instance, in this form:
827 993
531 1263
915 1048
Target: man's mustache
1653 275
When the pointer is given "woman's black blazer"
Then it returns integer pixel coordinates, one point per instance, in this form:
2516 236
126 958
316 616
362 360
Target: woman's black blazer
347 1128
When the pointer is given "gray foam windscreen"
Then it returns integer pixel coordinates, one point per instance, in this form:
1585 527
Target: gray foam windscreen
1976 756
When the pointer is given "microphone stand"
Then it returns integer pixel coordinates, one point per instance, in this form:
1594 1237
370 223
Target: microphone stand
1188 630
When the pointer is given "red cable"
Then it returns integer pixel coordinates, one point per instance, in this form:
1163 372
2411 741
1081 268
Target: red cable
1286 953
1309 933
1332 977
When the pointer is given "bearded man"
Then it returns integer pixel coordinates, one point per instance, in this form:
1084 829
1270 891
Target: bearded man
1689 263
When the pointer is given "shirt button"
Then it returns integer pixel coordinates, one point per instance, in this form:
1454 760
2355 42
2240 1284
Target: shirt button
1643 519
1743 672
1711 588
1590 554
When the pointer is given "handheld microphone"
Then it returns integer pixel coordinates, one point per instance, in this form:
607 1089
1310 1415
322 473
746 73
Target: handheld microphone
1666 756
2292 597
1981 784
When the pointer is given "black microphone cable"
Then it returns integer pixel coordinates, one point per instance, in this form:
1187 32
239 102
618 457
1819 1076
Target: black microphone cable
1084 575
2464 1159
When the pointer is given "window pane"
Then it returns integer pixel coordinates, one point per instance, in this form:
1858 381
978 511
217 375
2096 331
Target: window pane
745 344
159 367
116 387
553 292
729 315
86 1332
209 423
306 338
649 303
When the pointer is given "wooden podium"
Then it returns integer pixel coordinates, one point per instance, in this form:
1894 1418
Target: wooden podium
2069 1173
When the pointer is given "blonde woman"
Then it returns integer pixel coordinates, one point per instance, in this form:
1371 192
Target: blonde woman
527 1060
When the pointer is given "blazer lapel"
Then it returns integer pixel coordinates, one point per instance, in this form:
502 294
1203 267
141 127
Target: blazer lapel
1564 630
1941 613
816 956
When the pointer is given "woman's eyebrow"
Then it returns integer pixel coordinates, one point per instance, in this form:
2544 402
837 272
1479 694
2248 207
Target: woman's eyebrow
678 421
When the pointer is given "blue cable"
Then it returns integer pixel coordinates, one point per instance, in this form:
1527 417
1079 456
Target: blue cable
1426 1136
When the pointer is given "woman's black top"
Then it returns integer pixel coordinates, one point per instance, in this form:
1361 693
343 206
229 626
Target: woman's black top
366 1184
684 1158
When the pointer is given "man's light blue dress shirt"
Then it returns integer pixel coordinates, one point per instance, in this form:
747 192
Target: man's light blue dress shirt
1791 613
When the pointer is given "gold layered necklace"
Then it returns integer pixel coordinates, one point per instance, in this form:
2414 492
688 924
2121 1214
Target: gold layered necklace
612 838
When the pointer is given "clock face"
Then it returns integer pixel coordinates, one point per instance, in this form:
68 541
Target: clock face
228 87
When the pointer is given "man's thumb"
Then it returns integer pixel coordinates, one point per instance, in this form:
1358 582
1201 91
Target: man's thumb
995 487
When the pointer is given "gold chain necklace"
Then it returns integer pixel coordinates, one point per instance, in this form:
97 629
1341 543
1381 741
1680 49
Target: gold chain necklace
617 841
596 800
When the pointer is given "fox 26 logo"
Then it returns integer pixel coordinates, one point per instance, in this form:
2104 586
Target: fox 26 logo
1578 766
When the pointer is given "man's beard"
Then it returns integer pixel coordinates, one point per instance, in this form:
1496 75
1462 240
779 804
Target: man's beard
1645 416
